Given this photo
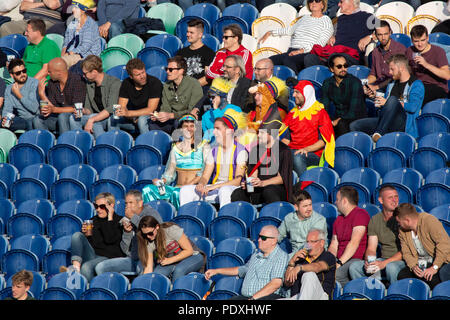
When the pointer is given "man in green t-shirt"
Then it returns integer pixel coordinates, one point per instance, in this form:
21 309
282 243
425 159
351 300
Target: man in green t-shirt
39 51
383 230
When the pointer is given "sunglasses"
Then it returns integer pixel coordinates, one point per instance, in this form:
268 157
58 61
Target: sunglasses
171 69
226 37
316 1
264 238
340 66
18 73
101 206
148 234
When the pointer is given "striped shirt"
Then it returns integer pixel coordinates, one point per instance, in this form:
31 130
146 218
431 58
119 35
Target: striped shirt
307 32
260 270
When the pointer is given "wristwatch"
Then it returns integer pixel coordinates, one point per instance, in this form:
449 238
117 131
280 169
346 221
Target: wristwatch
339 262
435 267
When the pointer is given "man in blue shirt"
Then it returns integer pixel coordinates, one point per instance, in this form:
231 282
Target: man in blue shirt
263 274
21 97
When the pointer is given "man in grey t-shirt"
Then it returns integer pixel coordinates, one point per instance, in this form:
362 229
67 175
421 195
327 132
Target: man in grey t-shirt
135 210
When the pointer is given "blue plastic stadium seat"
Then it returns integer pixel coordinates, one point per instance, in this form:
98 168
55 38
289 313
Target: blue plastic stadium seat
239 209
7 208
114 187
24 223
157 139
119 207
53 260
359 71
329 211
242 247
191 225
399 140
43 208
432 195
26 189
245 11
217 27
441 175
404 193
363 192
62 156
363 288
42 138
441 212
16 41
441 291
277 209
41 171
364 176
408 289
66 189
62 225
152 172
440 106
84 173
202 210
203 244
150 286
402 38
426 160
317 191
385 159
84 209
327 177
261 222
347 158
35 243
407 176
283 72
19 259
224 227
121 173
428 123
358 140
8 175
182 294
154 56
317 73
62 243
25 154
194 282
158 72
164 208
119 72
103 155
371 208
78 138
4 246
224 260
110 283
140 157
118 138
439 140
168 42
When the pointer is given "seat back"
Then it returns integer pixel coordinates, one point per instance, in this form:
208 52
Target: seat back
156 282
67 189
140 157
408 289
42 138
79 138
103 155
406 176
317 73
283 11
243 247
8 175
277 209
205 211
168 42
43 208
81 208
42 172
128 41
224 227
399 140
121 173
81 172
25 154
438 140
426 160
168 12
115 56
164 208
120 72
385 159
113 281
433 195
62 225
27 189
347 158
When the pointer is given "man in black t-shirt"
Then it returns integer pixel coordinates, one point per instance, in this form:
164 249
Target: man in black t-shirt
197 54
139 97
311 271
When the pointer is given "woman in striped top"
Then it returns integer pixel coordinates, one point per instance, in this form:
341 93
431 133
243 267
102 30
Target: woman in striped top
309 30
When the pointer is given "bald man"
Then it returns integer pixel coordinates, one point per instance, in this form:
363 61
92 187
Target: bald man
263 273
63 90
264 72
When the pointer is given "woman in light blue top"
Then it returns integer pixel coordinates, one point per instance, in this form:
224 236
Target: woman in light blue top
82 37
186 163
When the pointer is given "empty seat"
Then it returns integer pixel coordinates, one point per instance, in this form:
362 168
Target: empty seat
283 72
8 140
78 138
408 289
399 140
7 208
428 123
118 138
327 177
16 41
441 212
26 189
107 286
149 286
35 243
120 72
164 208
364 176
80 172
102 156
140 157
440 106
407 176
25 154
129 41
158 72
24 223
62 225
203 210
116 188
81 208
277 209
152 172
347 158
385 159
43 208
53 260
439 140
8 175
62 156
317 73
207 11
18 259
239 209
62 243
441 175
158 139
441 291
203 244
168 12
65 286
121 173
224 227
427 159
42 138
191 225
194 282
363 288
168 42
358 140
432 195
242 247
245 11
67 189
361 72
153 56
40 171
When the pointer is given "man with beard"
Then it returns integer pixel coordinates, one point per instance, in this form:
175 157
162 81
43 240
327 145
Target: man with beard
425 246
310 130
400 105
234 70
383 231
21 97
379 76
344 91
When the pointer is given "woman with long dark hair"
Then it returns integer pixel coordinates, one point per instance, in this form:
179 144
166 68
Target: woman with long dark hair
165 249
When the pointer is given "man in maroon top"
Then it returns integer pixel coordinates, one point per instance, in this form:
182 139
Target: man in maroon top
429 64
379 76
349 240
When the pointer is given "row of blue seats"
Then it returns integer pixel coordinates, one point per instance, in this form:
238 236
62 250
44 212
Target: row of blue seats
194 286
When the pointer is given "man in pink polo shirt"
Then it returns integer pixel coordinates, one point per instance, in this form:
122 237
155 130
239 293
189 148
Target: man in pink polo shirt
349 240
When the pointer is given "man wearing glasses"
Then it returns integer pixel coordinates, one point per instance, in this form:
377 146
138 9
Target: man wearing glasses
21 98
232 38
90 247
179 95
263 274
311 271
345 93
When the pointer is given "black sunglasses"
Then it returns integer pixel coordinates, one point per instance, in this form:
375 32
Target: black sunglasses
339 66
18 73
316 1
171 69
101 206
150 233
226 37
264 238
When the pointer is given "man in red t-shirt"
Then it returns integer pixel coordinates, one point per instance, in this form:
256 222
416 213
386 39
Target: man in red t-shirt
232 38
349 240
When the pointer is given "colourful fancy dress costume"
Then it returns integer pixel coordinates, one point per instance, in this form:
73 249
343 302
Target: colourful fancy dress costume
306 122
178 160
